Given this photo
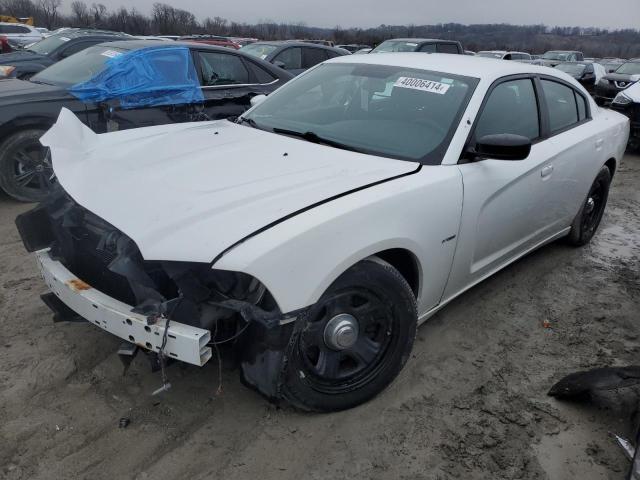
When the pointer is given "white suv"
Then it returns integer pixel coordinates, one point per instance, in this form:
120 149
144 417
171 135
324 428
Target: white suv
20 33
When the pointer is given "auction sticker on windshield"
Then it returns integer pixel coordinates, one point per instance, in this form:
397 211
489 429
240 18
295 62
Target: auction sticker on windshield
111 53
420 84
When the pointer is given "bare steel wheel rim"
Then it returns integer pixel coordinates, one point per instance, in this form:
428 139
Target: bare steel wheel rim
348 341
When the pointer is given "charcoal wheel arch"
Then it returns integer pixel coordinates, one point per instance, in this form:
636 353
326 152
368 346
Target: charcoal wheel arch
587 221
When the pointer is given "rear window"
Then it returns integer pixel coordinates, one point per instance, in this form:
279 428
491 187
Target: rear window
79 67
396 46
259 50
448 48
561 102
49 44
13 29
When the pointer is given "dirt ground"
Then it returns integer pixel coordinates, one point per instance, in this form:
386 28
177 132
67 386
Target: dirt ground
471 403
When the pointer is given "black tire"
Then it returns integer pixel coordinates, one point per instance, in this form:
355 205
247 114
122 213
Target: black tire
26 173
384 307
588 219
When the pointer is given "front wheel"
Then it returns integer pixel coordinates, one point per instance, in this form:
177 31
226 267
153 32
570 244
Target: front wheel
26 173
588 219
353 342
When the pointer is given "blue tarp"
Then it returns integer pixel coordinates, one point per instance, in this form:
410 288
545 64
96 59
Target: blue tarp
144 78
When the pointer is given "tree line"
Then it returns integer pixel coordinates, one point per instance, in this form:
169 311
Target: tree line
167 20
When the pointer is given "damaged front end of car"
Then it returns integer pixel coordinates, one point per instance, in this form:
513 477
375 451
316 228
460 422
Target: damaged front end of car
174 309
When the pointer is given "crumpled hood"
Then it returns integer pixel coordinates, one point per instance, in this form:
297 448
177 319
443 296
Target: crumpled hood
187 192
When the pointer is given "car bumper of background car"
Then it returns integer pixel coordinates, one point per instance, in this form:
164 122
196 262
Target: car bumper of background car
184 342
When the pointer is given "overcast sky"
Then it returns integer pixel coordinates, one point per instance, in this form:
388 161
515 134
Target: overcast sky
370 13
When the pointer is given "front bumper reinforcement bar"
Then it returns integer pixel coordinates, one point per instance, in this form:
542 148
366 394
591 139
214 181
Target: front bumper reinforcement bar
184 342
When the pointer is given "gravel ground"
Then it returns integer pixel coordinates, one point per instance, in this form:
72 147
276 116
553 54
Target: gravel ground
471 403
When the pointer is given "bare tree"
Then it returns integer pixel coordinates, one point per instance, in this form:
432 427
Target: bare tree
99 12
49 10
80 13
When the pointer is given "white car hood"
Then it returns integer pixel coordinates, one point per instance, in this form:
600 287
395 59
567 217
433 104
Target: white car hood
188 192
633 92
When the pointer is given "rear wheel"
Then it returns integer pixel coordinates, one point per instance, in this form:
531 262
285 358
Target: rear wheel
353 342
588 219
26 172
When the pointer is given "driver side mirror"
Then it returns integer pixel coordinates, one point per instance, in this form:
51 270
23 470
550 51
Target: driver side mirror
504 146
280 64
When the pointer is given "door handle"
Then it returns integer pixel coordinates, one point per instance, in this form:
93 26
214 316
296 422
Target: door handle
546 171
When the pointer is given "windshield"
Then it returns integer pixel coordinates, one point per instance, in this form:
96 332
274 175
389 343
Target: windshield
631 68
49 44
555 56
490 54
79 67
382 110
575 69
259 50
395 46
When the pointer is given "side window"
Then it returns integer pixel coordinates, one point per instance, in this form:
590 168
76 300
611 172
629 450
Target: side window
291 57
447 48
509 56
561 102
582 107
511 108
332 54
76 47
428 48
261 75
222 69
313 56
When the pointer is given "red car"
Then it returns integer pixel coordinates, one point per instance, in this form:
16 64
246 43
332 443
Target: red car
5 47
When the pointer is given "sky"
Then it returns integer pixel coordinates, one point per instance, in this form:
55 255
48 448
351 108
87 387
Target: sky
371 13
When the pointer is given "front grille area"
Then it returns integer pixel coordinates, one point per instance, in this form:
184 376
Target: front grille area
87 247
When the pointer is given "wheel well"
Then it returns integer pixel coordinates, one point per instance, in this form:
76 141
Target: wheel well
406 263
42 125
611 165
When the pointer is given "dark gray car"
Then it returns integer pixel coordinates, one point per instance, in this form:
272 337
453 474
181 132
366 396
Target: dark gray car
294 57
52 49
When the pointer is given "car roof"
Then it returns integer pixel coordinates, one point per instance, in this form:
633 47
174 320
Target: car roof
465 65
88 32
421 40
139 43
294 43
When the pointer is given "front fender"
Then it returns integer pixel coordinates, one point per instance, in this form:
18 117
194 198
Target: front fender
297 260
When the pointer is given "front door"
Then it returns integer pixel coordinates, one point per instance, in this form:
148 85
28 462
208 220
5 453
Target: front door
503 212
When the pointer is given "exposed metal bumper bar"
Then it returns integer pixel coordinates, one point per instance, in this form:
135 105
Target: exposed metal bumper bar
184 342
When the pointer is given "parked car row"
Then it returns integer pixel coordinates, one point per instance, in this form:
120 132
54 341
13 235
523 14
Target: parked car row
227 80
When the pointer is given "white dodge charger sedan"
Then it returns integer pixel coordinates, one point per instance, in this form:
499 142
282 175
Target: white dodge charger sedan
318 230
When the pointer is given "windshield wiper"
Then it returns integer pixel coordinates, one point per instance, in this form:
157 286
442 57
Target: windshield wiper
315 138
250 121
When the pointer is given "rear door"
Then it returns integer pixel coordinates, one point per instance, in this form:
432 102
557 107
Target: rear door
574 151
503 213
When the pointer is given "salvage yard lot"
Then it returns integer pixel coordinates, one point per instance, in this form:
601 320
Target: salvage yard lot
471 402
